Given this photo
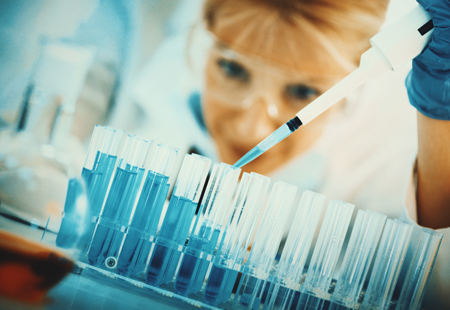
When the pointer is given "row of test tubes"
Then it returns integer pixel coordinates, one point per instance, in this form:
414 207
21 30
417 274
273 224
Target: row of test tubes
220 233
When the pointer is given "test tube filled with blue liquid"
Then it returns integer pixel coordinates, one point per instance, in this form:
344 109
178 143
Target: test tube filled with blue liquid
100 163
119 204
177 220
142 229
97 174
214 209
255 274
232 251
286 281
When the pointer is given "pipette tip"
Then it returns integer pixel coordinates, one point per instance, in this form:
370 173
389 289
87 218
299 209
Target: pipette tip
278 135
251 155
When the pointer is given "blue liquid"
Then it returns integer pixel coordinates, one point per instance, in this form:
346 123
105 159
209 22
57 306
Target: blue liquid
145 221
122 195
97 181
151 202
309 302
174 231
295 300
280 297
116 244
100 245
193 269
140 266
98 185
220 285
334 306
251 155
162 265
71 224
264 145
118 207
251 293
247 303
131 250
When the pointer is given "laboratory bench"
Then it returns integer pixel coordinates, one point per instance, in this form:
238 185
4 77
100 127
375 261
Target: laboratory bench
88 287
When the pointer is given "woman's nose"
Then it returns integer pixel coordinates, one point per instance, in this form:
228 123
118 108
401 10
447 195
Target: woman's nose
260 119
268 103
272 110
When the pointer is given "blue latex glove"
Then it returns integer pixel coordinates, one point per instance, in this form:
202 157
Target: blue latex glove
428 82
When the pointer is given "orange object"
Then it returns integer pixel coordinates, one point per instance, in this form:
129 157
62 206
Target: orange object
29 269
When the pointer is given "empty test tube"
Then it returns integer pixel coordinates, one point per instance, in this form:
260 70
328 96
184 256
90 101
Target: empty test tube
232 250
142 230
419 271
256 272
97 172
325 256
203 240
178 219
119 204
388 263
358 257
292 262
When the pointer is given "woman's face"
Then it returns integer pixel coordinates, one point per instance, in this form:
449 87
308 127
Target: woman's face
245 100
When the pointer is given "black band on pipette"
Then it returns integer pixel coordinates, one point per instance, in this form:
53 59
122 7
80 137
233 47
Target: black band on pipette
426 27
294 123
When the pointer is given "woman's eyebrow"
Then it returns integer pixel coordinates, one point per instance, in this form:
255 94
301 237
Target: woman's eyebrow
306 77
303 77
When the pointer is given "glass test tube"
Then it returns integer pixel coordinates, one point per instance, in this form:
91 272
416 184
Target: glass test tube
358 257
100 163
119 203
178 219
76 219
233 247
97 172
388 263
325 255
292 262
208 228
141 232
251 290
419 271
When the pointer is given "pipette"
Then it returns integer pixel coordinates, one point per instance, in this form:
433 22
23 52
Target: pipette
391 48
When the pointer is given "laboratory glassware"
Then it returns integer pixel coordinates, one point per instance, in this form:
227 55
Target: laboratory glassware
177 221
233 247
256 274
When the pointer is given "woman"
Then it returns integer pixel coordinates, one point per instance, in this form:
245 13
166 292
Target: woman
270 58
298 57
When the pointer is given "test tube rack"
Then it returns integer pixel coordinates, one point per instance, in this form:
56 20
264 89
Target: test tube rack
215 243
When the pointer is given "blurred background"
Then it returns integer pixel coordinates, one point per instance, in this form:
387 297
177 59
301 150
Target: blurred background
133 65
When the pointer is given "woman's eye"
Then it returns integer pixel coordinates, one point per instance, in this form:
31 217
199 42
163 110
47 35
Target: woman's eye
233 70
301 92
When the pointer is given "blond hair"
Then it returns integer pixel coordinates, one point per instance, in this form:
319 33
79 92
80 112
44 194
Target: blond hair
337 25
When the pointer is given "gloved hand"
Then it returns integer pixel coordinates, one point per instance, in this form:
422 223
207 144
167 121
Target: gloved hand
428 82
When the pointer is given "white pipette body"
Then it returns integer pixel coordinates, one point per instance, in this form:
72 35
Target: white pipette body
392 47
